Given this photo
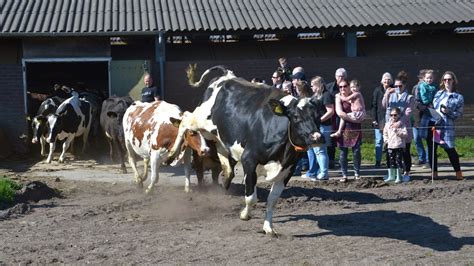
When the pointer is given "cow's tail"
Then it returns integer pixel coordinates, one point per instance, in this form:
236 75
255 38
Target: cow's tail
205 78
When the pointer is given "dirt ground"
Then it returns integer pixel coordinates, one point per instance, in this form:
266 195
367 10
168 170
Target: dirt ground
102 218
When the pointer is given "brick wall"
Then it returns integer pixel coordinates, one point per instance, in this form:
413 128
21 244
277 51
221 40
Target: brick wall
12 117
368 70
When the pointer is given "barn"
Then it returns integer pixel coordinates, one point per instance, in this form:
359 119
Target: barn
107 45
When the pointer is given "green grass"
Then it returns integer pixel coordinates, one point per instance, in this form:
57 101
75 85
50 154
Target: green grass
464 147
7 189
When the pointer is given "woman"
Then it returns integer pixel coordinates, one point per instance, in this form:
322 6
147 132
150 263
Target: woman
318 156
351 135
378 113
398 97
449 104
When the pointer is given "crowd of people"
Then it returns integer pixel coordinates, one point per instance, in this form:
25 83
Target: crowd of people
399 116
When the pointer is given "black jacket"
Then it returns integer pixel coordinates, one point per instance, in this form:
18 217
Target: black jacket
378 112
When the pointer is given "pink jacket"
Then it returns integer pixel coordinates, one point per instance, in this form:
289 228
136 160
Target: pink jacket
395 134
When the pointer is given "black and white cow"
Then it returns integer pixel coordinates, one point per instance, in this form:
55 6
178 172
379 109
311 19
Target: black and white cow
261 127
111 118
71 119
39 124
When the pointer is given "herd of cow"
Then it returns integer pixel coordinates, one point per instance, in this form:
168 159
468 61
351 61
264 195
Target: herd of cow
237 121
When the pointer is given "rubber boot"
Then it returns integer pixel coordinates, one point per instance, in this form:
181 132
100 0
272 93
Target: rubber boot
459 175
391 175
399 172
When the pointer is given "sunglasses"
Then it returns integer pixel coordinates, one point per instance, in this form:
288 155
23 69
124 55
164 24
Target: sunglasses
448 79
398 86
345 86
393 114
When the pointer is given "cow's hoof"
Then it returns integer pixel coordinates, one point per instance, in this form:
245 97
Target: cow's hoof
48 161
244 215
188 190
272 233
226 183
148 191
268 229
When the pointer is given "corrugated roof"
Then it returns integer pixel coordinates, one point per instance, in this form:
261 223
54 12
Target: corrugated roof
115 17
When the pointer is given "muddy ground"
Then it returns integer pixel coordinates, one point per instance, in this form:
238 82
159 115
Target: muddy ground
102 218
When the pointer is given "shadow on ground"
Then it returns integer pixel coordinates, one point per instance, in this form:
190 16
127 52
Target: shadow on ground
416 229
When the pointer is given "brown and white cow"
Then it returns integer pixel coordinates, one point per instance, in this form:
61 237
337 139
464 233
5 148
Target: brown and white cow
150 131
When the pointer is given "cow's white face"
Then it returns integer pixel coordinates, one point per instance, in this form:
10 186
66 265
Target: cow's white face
54 124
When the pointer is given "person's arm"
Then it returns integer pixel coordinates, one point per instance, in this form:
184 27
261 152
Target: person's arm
329 112
424 94
374 107
456 112
385 133
157 94
348 98
386 98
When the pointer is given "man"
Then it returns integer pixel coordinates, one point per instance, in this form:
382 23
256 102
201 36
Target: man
149 93
277 80
284 68
333 88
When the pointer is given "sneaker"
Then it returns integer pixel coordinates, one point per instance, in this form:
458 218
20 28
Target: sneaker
357 176
420 162
343 179
406 178
304 176
322 178
426 166
377 164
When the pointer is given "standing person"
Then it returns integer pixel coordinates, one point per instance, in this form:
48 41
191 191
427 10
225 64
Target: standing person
318 156
357 106
284 68
301 90
333 88
277 80
149 92
399 98
378 114
418 139
449 103
351 136
425 95
394 135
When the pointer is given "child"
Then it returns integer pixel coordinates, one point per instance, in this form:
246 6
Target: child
394 136
427 90
357 106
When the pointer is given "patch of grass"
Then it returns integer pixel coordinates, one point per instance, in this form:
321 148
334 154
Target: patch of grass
7 189
464 147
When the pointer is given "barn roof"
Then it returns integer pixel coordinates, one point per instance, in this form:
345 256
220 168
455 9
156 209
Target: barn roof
116 17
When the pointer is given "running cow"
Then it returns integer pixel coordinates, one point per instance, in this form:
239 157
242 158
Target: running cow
39 124
111 120
150 131
261 127
71 119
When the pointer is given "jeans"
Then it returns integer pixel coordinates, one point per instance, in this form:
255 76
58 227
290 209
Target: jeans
300 165
378 145
318 156
452 153
356 159
420 149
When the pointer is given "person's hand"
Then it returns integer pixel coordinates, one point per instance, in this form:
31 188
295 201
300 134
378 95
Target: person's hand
389 90
444 109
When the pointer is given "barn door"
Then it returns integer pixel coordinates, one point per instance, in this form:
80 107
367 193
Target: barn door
127 77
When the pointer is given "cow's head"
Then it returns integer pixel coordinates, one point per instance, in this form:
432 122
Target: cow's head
55 126
304 121
39 127
190 137
190 134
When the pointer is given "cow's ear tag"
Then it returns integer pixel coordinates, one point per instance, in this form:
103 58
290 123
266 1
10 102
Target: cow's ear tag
277 109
